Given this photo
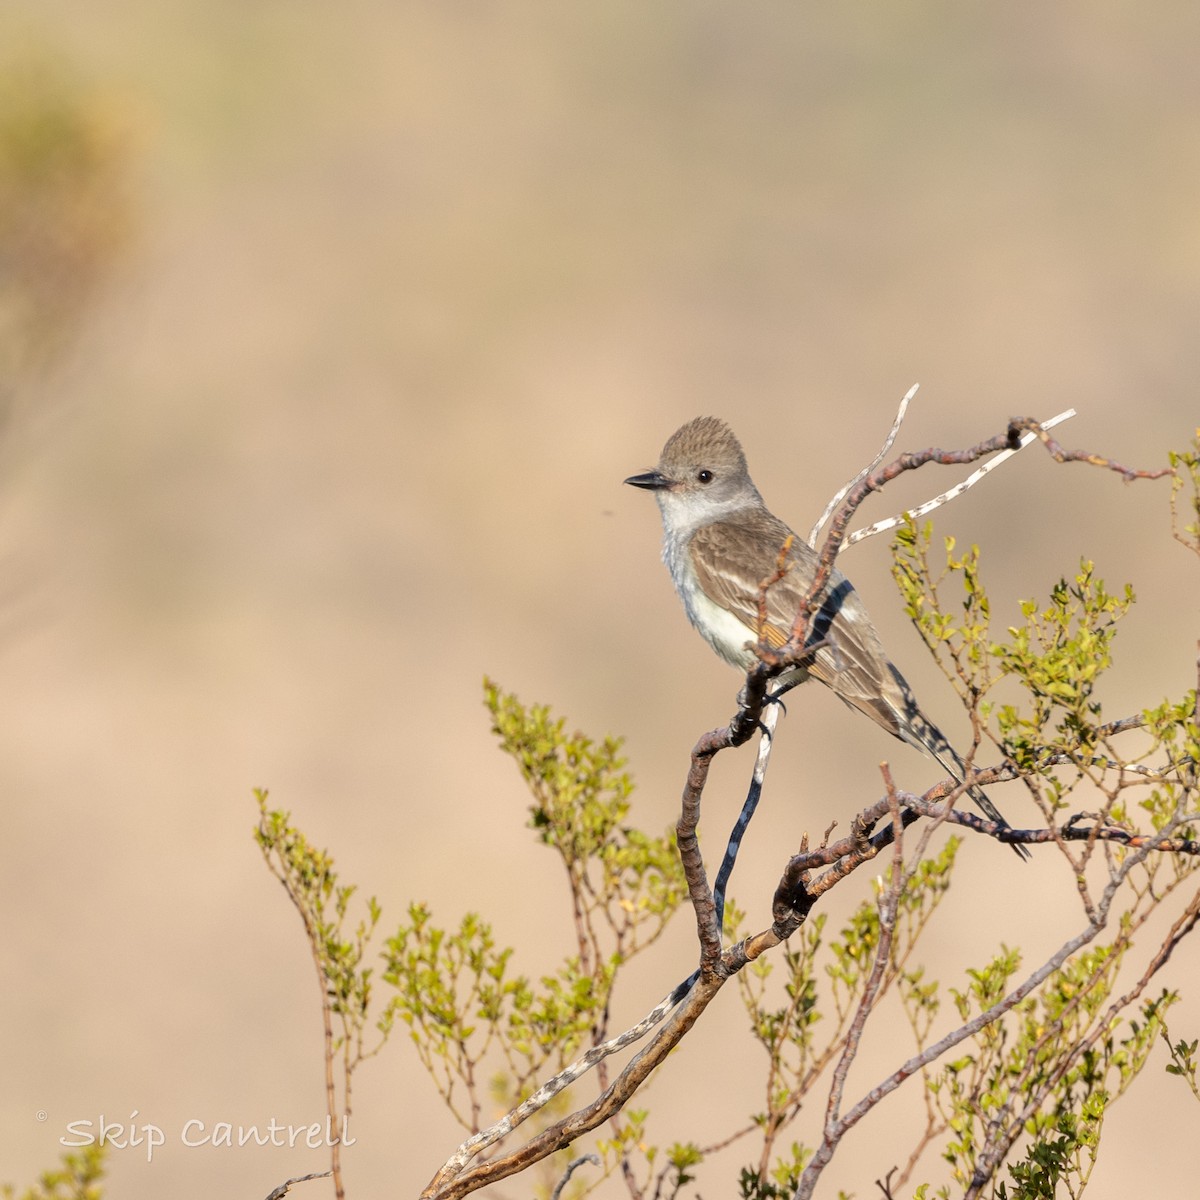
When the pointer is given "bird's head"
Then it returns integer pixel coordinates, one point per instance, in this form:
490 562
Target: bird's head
700 476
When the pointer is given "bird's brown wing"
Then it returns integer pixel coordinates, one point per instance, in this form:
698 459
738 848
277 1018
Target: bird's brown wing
852 661
719 553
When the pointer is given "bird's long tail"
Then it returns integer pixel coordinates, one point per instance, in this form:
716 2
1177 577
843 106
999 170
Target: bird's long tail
922 734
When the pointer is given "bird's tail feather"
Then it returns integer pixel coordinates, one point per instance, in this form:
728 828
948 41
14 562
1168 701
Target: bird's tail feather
922 734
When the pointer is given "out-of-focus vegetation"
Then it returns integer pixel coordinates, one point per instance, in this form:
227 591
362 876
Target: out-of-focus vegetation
64 211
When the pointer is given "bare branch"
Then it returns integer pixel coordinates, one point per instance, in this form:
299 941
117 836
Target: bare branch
1084 456
1017 434
285 1187
959 488
708 928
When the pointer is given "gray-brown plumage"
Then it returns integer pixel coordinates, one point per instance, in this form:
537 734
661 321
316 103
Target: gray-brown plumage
721 542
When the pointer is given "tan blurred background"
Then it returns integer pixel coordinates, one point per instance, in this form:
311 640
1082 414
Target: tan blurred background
402 293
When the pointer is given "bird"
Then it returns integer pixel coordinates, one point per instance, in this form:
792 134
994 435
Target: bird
720 542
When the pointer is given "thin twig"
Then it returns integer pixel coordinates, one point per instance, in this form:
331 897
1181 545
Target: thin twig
888 442
572 1167
887 904
953 493
283 1189
1038 429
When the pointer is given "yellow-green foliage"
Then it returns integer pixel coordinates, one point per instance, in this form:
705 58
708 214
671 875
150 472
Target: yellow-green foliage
77 1179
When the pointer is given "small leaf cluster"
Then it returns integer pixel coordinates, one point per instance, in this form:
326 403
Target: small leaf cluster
1055 656
628 1144
1183 1062
78 1178
1175 730
960 642
630 881
780 1182
462 1004
1057 1156
1185 466
308 875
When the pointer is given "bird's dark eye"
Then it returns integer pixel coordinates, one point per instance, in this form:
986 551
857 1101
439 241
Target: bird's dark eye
705 476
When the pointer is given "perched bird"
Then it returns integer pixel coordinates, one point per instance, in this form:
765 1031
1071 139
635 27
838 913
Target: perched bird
720 543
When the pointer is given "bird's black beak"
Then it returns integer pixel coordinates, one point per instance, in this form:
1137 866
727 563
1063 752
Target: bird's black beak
653 481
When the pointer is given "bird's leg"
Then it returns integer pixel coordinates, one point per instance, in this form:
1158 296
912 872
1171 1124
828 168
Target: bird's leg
750 701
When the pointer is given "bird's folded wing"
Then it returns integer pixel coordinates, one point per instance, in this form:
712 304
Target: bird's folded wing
733 560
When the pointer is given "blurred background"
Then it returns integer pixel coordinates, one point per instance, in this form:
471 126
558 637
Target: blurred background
329 333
